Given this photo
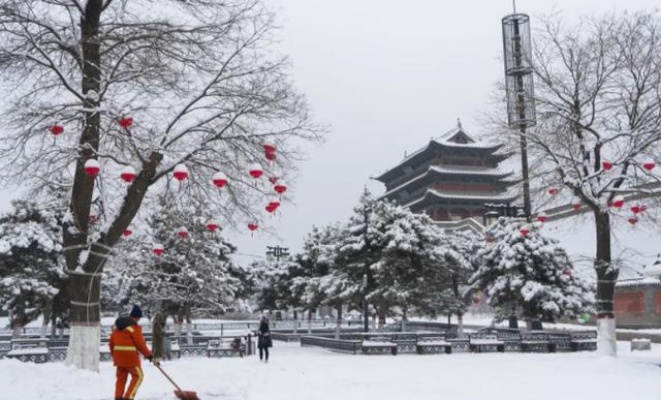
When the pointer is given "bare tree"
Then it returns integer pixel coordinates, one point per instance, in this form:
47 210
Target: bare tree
598 93
148 85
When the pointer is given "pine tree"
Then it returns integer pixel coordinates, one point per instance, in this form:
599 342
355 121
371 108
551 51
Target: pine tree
523 270
32 280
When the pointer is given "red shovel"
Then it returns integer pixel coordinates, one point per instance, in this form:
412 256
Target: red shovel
182 394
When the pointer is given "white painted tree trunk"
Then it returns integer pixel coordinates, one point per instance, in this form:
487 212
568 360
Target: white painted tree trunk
177 329
606 338
44 328
17 331
460 323
189 332
83 351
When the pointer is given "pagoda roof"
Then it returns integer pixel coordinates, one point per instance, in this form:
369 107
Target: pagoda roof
440 170
455 139
433 194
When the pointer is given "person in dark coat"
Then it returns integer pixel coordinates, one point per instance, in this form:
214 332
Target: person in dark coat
264 339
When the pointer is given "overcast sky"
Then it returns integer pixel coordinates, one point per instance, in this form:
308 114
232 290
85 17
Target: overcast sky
387 76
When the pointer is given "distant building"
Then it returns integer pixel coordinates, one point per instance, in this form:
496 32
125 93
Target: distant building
451 179
638 297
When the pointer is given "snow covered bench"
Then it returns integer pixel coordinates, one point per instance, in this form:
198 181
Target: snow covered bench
29 350
433 345
583 340
480 342
226 348
535 342
379 347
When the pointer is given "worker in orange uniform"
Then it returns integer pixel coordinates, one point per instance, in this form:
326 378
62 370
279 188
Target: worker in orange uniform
126 341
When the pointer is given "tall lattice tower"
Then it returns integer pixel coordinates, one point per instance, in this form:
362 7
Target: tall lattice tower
517 49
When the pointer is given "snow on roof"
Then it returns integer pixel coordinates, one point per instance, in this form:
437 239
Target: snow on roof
465 196
639 282
653 270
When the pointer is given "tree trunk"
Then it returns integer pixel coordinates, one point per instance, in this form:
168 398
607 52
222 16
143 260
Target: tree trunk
177 325
382 317
338 324
404 319
295 322
460 323
606 278
309 321
189 328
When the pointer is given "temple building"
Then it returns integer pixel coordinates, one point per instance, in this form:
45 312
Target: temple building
451 179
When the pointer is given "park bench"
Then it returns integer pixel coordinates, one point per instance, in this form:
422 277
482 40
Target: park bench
560 342
535 342
29 350
485 342
379 346
226 348
433 345
583 340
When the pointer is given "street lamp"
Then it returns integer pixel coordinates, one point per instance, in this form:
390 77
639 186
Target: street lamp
365 305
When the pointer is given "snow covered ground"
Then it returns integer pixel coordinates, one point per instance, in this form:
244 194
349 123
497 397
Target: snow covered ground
296 373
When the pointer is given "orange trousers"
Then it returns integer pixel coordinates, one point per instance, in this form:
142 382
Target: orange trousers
122 376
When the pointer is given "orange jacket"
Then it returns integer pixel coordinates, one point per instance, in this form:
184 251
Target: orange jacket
126 341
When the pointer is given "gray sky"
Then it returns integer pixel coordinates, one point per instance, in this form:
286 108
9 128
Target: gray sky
387 76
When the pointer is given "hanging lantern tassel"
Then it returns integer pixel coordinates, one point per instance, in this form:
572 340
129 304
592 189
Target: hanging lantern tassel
253 227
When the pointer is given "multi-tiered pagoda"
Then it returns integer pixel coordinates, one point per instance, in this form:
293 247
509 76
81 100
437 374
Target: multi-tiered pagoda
450 179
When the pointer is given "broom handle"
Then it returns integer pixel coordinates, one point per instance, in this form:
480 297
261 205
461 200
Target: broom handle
170 379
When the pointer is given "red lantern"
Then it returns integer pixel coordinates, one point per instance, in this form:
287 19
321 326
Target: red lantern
128 174
636 209
182 233
93 218
56 129
212 226
606 165
180 172
524 231
158 249
275 203
576 204
269 208
553 191
270 156
649 164
92 168
280 188
219 179
542 217
633 220
568 272
256 171
127 232
273 180
618 201
253 227
269 148
126 122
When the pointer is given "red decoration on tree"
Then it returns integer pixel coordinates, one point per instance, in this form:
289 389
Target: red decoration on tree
524 231
553 191
568 272
126 122
256 171
275 203
56 129
618 201
219 179
633 220
636 209
649 164
606 165
273 180
576 204
270 156
93 218
128 174
542 217
92 168
643 208
127 232
182 233
253 227
269 148
212 226
270 208
180 172
280 188
158 249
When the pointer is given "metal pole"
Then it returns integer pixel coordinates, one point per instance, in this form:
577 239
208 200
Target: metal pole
525 175
366 316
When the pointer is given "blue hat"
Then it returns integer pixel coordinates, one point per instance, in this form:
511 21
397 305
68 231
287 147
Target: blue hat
136 311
